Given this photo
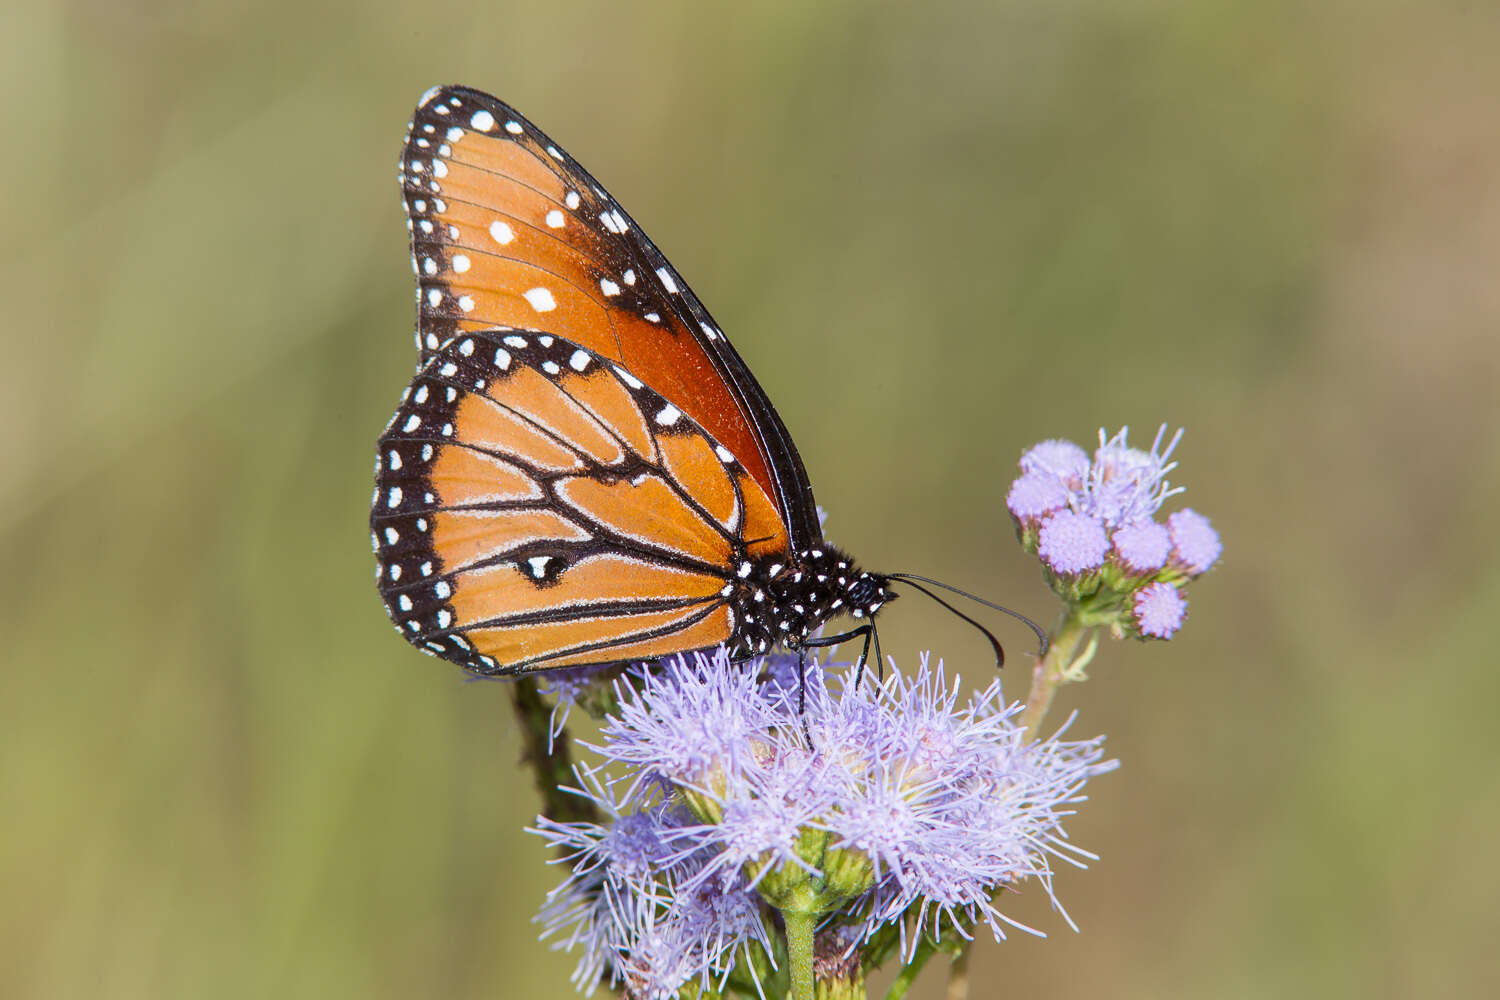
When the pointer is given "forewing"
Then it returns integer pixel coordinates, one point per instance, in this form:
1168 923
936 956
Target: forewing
509 230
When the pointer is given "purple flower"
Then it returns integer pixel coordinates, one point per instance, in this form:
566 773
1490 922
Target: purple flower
1061 460
690 720
629 906
1118 486
765 810
1195 544
913 804
1035 495
1075 512
964 809
1142 546
1159 610
1126 484
1072 543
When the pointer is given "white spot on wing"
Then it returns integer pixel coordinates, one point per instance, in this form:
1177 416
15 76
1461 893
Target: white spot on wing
666 280
669 415
541 299
578 362
608 287
501 233
461 264
514 128
483 121
555 219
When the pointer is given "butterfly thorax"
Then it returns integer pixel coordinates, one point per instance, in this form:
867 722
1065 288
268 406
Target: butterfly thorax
782 600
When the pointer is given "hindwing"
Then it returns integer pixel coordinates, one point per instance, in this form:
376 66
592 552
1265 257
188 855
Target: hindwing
537 505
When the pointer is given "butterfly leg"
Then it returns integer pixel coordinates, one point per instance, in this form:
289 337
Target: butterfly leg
802 697
868 632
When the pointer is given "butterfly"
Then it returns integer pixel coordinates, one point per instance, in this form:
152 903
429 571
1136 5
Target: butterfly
583 470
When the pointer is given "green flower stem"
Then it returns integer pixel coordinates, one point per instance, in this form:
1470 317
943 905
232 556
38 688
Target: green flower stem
912 969
1053 670
958 975
551 759
799 949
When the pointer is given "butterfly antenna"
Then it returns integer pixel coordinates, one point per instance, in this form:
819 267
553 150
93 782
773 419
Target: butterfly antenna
999 650
913 579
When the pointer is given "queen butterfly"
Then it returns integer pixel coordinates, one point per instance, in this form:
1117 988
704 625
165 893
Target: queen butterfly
583 470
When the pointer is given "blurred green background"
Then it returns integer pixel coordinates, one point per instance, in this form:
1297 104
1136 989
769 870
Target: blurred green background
939 233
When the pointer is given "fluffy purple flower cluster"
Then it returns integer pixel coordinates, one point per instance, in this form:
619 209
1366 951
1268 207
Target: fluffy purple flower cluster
1092 523
910 809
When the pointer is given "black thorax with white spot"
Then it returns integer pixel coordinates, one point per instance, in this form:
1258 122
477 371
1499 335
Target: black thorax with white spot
782 600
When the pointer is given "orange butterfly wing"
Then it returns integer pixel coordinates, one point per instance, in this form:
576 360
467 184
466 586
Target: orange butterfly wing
538 506
508 230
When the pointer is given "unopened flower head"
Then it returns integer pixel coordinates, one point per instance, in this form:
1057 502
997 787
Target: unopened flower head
1195 544
1142 546
913 804
1061 460
1158 610
1071 542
